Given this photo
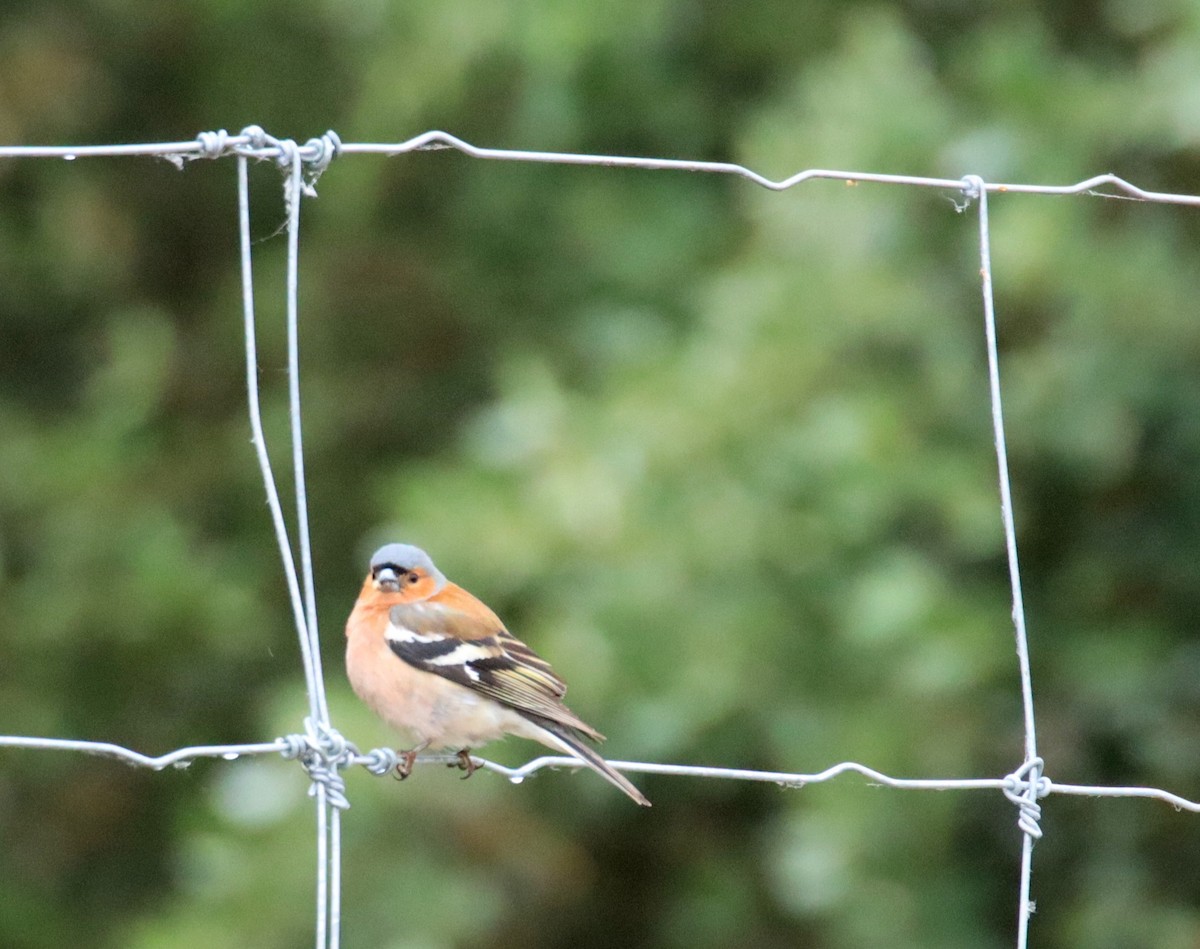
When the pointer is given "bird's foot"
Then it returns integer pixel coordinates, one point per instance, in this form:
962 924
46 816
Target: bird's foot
466 763
405 765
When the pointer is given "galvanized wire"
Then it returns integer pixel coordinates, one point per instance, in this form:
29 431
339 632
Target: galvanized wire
381 761
322 751
1027 800
324 747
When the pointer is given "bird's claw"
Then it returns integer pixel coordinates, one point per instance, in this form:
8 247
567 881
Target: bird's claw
466 763
405 765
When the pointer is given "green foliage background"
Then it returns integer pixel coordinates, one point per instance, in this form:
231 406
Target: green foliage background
723 455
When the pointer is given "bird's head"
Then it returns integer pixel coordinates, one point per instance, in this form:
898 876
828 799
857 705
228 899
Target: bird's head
406 570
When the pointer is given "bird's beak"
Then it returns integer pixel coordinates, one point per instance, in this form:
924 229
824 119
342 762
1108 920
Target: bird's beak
387 580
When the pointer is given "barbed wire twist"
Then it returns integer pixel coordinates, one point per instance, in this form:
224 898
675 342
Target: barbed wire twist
321 750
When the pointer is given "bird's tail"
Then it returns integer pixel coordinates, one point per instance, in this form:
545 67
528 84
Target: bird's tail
573 746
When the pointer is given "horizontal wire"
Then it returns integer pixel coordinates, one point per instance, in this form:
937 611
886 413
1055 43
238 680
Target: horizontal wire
786 778
433 140
1087 790
70 152
254 143
181 757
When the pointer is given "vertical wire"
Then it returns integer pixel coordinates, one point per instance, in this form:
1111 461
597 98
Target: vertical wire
303 610
328 817
258 439
1010 540
1025 910
294 189
335 877
1006 505
256 427
322 865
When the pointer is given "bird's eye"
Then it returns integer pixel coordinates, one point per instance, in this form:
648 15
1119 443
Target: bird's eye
413 578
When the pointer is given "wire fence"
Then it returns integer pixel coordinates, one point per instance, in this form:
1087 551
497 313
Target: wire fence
322 751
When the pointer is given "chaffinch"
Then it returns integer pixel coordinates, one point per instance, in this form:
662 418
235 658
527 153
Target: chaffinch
434 662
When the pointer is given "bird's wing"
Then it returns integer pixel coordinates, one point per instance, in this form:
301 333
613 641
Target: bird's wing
480 654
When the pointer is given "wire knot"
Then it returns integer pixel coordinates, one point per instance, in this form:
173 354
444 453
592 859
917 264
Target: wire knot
257 136
324 150
322 751
213 144
972 186
293 746
324 773
286 152
381 761
330 742
1023 787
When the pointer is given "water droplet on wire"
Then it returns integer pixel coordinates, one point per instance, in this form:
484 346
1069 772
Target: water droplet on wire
516 778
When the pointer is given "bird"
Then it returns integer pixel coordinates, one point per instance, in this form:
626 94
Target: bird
437 664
